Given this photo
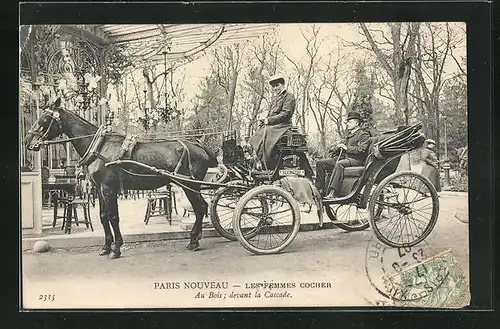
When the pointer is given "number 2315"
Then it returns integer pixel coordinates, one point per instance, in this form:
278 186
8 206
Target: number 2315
45 298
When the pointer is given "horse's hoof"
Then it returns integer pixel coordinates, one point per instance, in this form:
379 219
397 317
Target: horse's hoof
104 252
114 255
193 246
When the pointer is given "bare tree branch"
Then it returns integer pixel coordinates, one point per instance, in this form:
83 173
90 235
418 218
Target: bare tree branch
380 55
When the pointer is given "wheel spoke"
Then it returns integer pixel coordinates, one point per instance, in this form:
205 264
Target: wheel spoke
410 206
276 221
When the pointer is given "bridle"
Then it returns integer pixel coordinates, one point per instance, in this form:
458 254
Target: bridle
55 119
37 130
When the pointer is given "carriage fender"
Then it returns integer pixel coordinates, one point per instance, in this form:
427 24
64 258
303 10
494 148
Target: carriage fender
303 191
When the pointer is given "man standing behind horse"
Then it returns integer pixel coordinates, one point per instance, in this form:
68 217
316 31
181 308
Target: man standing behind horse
355 148
278 121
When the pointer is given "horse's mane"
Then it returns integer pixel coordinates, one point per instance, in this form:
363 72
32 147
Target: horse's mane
79 117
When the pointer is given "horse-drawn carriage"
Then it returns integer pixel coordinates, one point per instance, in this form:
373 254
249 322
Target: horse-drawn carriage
266 218
401 207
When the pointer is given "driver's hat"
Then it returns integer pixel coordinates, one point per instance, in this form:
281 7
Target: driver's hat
278 78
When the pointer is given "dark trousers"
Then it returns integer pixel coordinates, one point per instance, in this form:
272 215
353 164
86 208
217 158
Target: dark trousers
327 165
322 167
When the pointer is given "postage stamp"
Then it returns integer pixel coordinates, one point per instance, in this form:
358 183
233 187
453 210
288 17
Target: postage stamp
415 277
437 281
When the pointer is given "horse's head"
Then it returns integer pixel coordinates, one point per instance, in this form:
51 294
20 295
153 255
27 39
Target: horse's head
47 127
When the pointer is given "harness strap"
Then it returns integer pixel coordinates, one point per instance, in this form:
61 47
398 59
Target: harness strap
127 145
93 148
184 151
179 163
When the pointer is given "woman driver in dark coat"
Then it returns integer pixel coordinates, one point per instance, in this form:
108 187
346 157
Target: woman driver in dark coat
278 121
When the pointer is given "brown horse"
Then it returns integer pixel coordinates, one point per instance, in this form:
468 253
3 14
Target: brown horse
184 157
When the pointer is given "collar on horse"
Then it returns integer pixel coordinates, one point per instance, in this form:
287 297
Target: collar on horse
93 150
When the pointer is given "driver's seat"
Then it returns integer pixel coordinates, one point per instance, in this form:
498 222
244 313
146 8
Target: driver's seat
291 143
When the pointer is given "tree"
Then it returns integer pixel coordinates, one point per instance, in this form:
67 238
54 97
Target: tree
454 114
324 103
226 67
117 63
396 55
263 62
434 47
318 103
344 98
305 71
209 114
363 96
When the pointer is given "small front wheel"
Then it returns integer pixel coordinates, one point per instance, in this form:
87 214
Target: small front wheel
269 229
222 209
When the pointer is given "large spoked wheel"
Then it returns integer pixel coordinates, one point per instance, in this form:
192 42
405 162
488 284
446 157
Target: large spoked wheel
410 208
270 229
349 217
222 209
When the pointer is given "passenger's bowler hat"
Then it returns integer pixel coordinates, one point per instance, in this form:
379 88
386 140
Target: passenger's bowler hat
278 78
353 115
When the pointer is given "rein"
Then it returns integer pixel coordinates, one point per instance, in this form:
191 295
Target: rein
59 141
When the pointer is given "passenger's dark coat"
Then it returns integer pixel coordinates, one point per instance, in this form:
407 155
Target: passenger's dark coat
279 121
357 144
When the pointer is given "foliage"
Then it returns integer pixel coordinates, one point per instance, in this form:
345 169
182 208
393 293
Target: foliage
210 113
25 91
304 72
116 64
394 55
381 116
454 115
363 96
392 73
459 182
262 60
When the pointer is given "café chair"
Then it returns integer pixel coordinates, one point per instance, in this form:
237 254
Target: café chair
161 203
71 205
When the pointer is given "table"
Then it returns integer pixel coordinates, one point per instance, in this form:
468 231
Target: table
61 186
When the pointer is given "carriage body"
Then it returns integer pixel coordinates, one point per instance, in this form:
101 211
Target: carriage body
375 189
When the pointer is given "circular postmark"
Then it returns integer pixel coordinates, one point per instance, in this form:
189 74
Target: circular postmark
403 274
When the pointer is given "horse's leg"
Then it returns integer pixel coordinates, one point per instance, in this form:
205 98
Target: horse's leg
200 208
108 236
110 196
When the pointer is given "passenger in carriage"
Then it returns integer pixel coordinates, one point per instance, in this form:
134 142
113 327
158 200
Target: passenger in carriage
355 150
278 121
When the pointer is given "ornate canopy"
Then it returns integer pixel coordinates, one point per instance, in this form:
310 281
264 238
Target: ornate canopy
179 43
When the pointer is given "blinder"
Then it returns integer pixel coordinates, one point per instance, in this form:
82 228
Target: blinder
55 118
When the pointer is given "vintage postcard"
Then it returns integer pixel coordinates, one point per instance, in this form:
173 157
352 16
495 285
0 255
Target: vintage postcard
175 166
